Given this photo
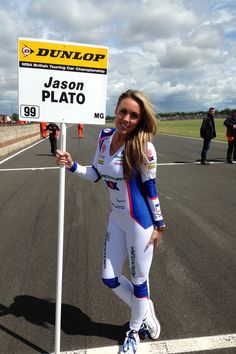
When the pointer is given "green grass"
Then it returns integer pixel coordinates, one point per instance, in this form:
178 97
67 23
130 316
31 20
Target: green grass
190 128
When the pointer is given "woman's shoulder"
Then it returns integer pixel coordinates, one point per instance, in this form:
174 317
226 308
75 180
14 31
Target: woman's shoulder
106 132
151 152
150 146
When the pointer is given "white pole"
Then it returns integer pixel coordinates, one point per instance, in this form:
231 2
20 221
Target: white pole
61 209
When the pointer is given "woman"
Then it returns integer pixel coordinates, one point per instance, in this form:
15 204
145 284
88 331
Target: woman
126 160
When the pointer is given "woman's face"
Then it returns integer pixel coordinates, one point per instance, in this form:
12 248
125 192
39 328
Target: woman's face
128 116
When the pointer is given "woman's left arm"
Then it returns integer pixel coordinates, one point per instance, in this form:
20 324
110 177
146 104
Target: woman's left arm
148 176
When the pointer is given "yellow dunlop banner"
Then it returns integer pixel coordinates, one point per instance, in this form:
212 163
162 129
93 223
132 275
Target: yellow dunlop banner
51 54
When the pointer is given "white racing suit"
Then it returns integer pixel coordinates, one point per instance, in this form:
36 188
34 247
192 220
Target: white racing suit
135 210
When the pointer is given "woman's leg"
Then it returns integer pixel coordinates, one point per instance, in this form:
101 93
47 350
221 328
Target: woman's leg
115 253
140 259
131 240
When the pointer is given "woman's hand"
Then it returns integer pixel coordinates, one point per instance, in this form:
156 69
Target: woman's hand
64 159
155 239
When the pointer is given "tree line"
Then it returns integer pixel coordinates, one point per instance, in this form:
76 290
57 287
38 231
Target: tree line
186 115
168 115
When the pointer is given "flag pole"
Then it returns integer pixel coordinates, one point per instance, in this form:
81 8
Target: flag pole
61 209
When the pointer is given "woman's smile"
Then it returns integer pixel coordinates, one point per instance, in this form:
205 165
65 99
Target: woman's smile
128 116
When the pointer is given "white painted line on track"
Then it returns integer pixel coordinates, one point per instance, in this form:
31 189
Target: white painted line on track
28 169
177 163
57 167
19 152
173 346
192 138
189 163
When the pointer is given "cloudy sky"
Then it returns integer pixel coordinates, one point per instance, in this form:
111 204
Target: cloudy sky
182 53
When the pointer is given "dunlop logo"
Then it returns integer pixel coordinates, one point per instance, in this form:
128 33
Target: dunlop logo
64 54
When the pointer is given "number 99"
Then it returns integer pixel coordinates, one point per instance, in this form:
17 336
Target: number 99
29 111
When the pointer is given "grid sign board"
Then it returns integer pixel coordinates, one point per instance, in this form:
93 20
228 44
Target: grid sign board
62 82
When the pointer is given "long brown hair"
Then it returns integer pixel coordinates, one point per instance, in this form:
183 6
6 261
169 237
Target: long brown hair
135 152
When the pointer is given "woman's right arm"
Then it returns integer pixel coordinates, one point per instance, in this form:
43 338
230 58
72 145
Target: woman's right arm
86 172
64 159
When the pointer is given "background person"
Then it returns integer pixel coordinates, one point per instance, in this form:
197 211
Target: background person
230 124
80 128
43 129
207 132
53 136
126 160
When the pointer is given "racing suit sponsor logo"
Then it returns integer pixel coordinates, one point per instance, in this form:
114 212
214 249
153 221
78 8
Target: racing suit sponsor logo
107 130
119 158
112 178
107 238
153 165
103 148
112 185
118 206
102 152
132 261
150 155
120 155
158 212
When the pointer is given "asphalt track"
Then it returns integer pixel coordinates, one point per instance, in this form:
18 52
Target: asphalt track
193 276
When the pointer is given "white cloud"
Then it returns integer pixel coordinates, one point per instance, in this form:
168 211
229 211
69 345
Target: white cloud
180 52
207 37
159 19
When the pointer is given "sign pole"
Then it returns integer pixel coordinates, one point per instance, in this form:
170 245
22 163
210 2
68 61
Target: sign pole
62 89
61 209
